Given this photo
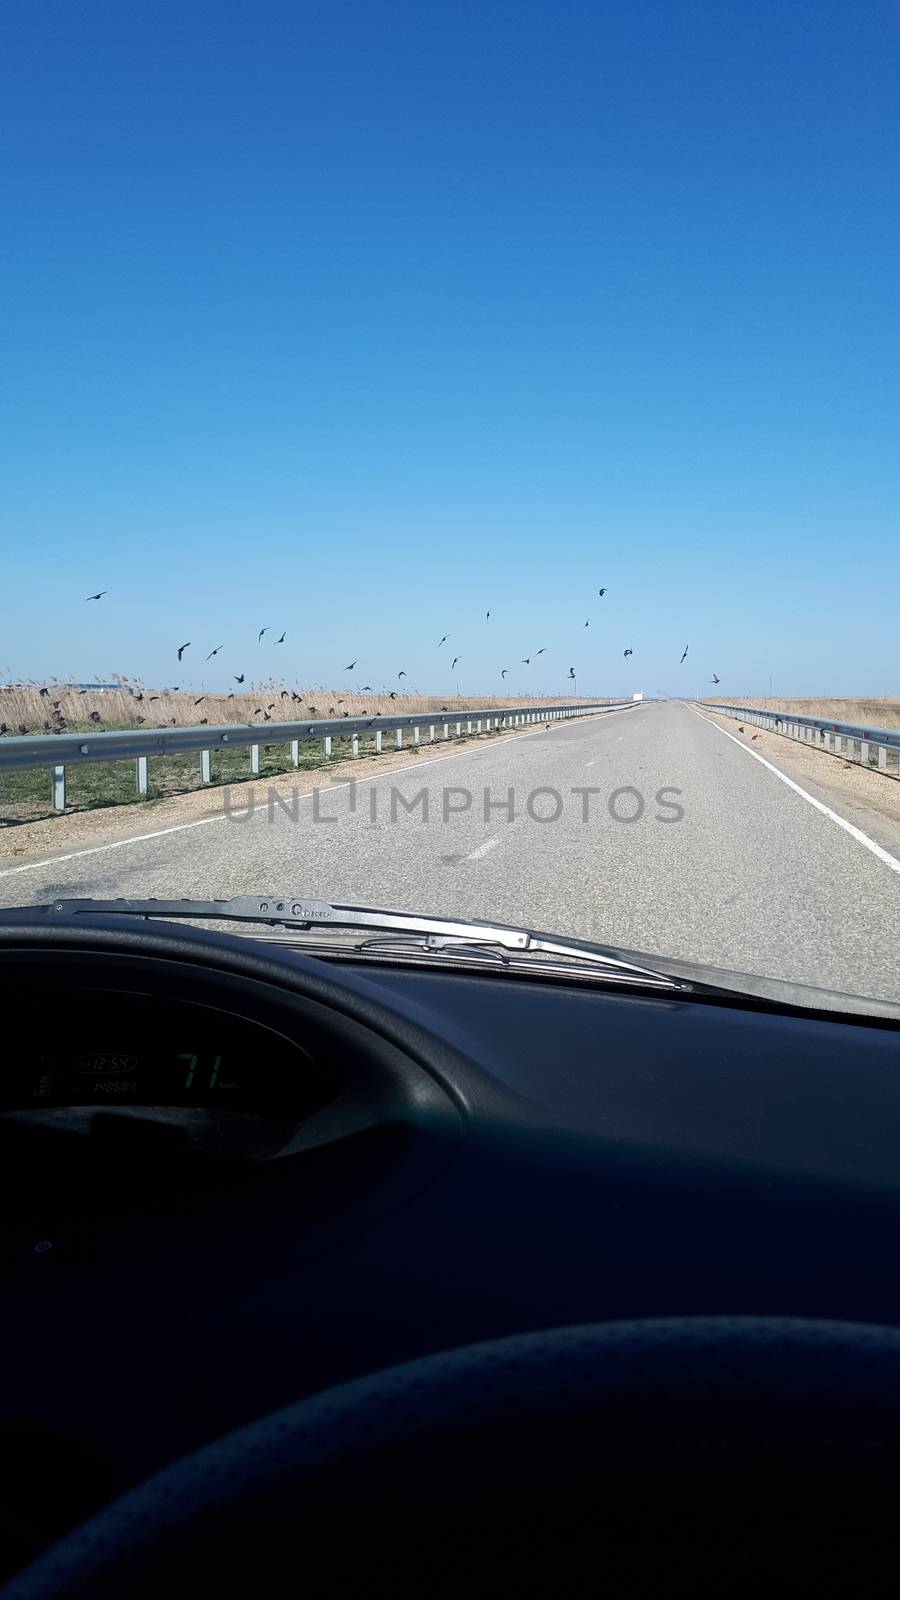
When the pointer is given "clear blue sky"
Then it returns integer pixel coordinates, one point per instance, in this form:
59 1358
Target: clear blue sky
358 319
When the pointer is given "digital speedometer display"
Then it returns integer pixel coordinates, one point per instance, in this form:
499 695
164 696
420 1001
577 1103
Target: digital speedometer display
138 1051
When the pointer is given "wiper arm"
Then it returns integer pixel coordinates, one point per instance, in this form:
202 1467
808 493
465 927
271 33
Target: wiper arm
445 934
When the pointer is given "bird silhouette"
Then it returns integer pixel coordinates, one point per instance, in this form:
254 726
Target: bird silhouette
214 652
629 652
230 696
260 634
200 701
503 672
392 695
601 593
571 672
487 616
282 639
713 679
366 688
588 623
238 677
686 648
740 727
443 641
350 665
95 717
258 712
43 692
182 648
203 721
401 674
526 661
152 698
454 661
541 651
98 596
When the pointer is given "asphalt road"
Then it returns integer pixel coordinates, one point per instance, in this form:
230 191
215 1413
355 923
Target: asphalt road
685 846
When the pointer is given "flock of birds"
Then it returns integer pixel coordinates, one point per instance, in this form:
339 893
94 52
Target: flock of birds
367 687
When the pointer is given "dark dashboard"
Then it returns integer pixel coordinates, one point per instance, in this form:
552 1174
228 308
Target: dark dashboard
233 1175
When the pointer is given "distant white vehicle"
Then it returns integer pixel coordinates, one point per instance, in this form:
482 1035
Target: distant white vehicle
637 697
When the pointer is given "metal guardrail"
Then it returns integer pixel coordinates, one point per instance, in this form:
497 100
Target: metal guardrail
59 751
838 738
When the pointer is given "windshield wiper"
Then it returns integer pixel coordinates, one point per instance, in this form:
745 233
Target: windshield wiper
389 930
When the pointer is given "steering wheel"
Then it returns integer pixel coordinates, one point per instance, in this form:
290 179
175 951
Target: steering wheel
609 1451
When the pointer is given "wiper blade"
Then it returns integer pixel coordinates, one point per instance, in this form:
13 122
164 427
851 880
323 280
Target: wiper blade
436 934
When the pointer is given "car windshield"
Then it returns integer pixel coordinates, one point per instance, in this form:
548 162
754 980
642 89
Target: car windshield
450 467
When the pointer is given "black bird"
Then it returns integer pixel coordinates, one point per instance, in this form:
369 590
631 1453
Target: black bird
713 679
285 695
258 712
203 721
487 616
238 677
740 727
97 596
3 728
23 729
601 593
44 691
503 673
200 701
526 661
686 648
214 652
95 717
350 665
230 696
153 697
392 695
142 719
541 651
281 640
267 718
366 686
174 689
629 652
443 641
587 624
454 661
260 634
571 672
182 648
137 697
401 674
753 736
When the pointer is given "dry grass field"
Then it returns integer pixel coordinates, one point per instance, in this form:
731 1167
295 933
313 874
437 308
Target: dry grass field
884 713
43 708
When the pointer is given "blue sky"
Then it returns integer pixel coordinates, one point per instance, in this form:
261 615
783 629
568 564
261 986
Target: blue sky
358 319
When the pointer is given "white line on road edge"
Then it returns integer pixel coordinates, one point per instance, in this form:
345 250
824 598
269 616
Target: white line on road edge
848 827
219 816
483 849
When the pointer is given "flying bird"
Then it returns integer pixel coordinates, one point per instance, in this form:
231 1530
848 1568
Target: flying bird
587 624
443 641
503 673
401 674
392 695
526 661
350 665
200 701
629 652
454 661
238 677
97 596
214 652
260 634
281 640
601 593
182 648
713 679
487 616
366 687
541 651
571 672
686 648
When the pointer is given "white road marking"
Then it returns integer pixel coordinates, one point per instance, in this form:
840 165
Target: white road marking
483 849
181 827
848 827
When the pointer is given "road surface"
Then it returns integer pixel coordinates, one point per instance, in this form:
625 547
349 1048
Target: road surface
685 846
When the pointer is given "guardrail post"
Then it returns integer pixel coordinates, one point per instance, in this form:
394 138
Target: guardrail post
254 760
327 744
458 729
478 725
446 727
882 758
864 752
204 767
140 774
295 752
468 725
59 788
354 745
398 738
415 734
378 741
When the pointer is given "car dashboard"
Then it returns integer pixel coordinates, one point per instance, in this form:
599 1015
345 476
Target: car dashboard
234 1174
